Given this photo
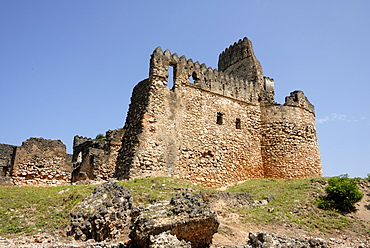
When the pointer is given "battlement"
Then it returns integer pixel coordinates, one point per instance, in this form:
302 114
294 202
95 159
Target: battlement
298 99
239 60
193 73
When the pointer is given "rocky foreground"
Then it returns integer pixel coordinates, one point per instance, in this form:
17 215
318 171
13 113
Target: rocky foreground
108 218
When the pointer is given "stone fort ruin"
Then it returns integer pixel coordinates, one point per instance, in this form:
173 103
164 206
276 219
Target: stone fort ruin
208 126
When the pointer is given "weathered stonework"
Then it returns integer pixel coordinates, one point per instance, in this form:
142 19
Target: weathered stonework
40 162
216 127
94 159
6 155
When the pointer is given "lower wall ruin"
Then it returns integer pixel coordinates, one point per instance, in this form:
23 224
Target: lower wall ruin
95 159
40 162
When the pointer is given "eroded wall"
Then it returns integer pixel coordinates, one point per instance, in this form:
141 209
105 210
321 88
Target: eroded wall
40 161
95 159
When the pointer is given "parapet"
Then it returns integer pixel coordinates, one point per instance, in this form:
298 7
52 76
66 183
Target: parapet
115 136
239 60
298 99
199 75
79 141
43 144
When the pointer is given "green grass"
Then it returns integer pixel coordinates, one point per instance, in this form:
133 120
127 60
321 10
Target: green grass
150 190
293 204
31 210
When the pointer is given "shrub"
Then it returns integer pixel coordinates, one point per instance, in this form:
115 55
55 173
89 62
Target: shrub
101 137
368 177
342 194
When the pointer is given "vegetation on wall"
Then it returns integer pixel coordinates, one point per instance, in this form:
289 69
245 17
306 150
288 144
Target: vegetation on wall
100 137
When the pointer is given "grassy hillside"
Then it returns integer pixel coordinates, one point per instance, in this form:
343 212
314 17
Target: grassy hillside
292 203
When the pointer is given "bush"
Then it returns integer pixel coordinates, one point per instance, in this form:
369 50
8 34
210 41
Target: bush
100 137
368 177
342 194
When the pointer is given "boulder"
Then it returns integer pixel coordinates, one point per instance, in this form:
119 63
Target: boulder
229 200
185 215
167 240
103 215
263 239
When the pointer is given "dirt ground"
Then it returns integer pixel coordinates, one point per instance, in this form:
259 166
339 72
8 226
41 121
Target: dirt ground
234 232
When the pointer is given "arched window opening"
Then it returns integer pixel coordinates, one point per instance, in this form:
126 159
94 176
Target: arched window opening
193 78
220 120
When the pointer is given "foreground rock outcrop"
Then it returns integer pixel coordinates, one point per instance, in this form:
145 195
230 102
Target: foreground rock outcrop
186 216
167 240
267 240
103 215
108 213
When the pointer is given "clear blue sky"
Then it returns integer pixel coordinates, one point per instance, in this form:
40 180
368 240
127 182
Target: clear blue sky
68 67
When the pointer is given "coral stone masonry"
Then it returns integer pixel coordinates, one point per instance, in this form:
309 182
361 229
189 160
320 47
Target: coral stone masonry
209 126
39 162
216 127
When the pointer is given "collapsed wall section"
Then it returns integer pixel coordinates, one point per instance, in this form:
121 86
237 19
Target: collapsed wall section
289 143
40 162
96 159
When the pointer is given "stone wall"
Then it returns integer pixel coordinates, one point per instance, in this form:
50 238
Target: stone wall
218 138
178 135
40 162
175 132
95 159
289 144
136 120
216 127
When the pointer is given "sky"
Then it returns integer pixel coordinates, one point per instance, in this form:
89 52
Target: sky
68 67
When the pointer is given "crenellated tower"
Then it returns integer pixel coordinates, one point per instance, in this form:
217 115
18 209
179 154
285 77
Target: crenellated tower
240 61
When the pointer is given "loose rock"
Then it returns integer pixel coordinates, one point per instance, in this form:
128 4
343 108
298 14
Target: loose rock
185 216
102 215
